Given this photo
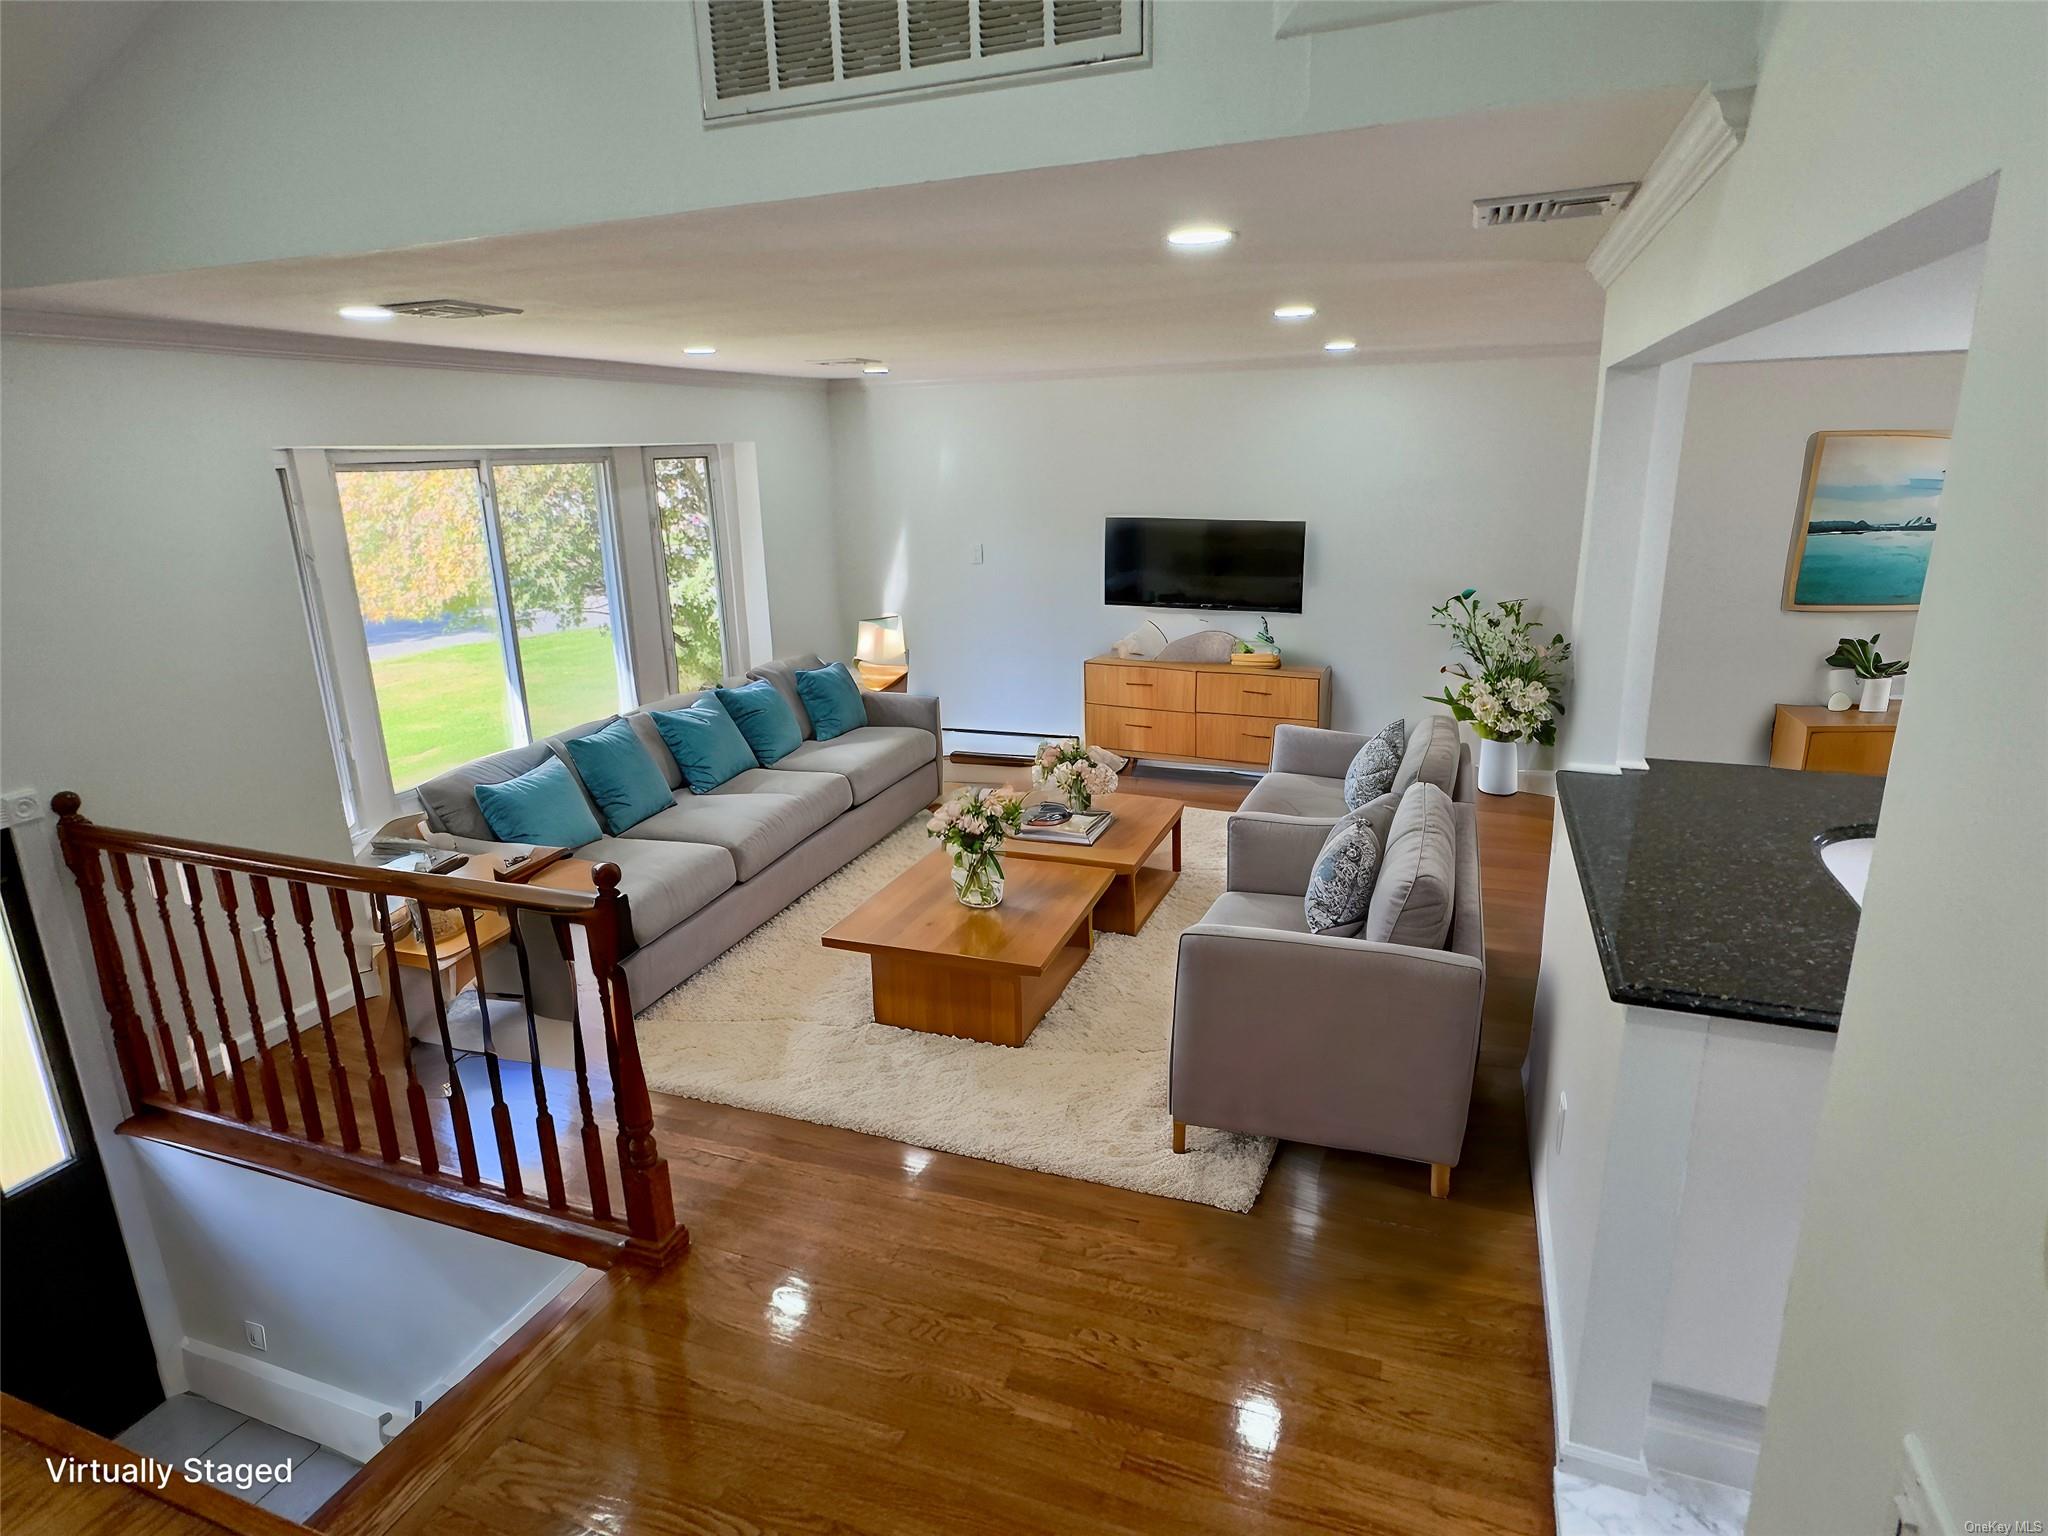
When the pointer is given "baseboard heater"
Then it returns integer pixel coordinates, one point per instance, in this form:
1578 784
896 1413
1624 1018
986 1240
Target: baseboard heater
967 744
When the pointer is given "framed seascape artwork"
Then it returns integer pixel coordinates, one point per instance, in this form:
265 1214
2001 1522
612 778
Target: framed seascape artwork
1867 517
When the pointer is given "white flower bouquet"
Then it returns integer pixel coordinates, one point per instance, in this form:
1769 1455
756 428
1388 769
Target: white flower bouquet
1514 694
1074 773
971 826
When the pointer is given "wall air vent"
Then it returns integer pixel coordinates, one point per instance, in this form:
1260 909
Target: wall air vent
1544 207
447 309
765 56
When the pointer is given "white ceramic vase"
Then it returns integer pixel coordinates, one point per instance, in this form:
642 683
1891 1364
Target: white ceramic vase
1499 767
1877 695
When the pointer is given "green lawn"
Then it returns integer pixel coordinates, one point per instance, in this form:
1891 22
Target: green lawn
444 707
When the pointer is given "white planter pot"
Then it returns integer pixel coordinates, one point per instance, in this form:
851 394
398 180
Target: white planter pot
1840 684
1499 767
1877 695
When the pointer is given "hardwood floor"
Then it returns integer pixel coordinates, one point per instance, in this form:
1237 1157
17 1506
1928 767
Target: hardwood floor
871 1337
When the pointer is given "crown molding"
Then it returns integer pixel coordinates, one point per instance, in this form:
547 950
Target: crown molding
1700 145
253 341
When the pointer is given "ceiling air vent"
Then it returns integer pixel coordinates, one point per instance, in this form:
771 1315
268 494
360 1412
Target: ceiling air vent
448 309
1544 207
764 56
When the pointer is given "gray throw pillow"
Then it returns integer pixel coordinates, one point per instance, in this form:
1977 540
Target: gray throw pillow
1415 894
1340 884
1371 773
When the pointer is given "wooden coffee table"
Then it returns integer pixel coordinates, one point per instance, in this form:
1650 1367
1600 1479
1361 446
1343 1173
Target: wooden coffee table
1142 823
950 970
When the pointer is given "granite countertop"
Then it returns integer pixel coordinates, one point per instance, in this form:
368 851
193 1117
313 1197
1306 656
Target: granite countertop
1706 889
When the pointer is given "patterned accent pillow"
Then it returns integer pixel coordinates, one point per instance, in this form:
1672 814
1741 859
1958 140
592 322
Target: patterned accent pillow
1371 773
1340 884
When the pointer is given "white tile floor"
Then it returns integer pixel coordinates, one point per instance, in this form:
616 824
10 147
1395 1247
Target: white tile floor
190 1425
1674 1506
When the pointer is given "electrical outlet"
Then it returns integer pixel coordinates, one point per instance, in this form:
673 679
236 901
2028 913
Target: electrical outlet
1563 1108
258 1339
259 946
974 554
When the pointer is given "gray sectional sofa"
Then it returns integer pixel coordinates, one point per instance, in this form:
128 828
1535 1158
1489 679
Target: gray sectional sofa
1342 1042
701 876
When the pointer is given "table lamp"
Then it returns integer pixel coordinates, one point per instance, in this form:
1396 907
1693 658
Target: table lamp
882 658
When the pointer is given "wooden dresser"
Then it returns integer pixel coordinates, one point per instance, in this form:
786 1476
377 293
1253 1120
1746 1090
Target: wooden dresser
1199 711
1832 740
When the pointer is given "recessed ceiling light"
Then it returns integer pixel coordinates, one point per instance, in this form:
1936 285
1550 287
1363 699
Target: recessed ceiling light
1343 344
1295 312
699 351
874 367
366 312
1198 237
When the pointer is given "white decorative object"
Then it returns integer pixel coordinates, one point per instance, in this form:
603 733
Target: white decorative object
1202 645
1837 690
1141 644
1500 769
1877 695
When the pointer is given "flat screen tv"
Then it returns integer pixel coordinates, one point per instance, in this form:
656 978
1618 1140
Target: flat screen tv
1203 562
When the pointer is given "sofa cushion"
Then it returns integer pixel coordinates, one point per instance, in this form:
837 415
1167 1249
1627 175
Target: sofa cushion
754 818
870 758
765 718
664 883
1257 909
782 673
1297 794
831 699
542 805
1431 756
1340 881
449 799
622 779
1412 900
704 743
1372 771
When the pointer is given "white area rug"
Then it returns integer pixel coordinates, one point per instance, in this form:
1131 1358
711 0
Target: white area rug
783 1024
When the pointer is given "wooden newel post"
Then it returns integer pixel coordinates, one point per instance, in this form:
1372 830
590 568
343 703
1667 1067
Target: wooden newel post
138 1067
643 1172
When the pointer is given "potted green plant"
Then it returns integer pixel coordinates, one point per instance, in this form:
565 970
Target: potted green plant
1861 657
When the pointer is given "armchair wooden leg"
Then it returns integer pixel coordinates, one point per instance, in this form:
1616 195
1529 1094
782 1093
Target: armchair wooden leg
1440 1180
1180 1136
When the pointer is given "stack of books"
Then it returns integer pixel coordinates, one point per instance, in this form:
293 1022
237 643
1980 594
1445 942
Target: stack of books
1055 824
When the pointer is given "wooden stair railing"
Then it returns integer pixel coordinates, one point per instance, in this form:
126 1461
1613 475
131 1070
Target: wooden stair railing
281 1122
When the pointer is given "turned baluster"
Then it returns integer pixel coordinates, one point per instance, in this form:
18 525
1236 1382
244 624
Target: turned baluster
501 1117
458 1101
415 1094
266 1069
337 1074
380 1090
593 1144
643 1173
543 1122
302 1069
201 1057
131 1048
124 882
195 898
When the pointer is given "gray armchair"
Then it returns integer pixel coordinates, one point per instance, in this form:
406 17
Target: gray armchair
1336 1041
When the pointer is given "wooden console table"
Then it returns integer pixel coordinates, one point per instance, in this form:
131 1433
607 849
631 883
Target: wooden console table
1823 740
1199 711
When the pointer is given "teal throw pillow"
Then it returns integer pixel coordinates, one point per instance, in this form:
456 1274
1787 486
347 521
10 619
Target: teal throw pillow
832 699
705 743
765 719
626 783
543 805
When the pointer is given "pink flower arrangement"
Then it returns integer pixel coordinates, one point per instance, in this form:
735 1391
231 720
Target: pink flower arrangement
976 820
1077 774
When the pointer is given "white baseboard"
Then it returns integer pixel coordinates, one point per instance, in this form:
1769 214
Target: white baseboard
305 1016
1703 1435
294 1403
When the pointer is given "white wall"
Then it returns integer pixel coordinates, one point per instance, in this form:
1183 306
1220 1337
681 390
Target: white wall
1727 650
231 133
1918 1304
157 657
1415 480
365 1311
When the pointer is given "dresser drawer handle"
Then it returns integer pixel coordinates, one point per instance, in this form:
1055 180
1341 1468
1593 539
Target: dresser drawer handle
1138 685
1130 727
1264 693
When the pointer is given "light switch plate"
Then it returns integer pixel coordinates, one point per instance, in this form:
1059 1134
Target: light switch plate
254 1333
974 554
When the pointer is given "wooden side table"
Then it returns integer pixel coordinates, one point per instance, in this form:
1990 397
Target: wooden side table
877 678
1822 740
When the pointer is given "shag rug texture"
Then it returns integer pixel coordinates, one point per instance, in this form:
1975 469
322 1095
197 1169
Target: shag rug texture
781 1023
